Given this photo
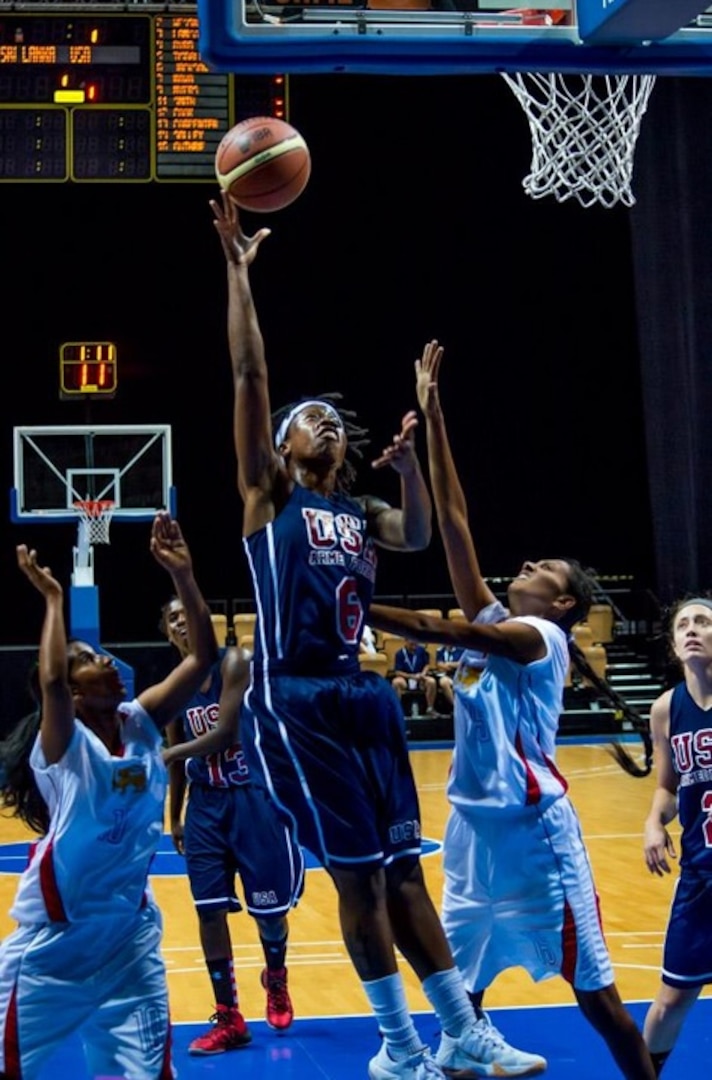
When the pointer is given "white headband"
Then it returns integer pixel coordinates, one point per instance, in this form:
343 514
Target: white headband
703 600
281 433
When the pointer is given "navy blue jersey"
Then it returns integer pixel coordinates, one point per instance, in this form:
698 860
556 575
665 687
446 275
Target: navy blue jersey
413 660
226 769
449 654
691 743
313 570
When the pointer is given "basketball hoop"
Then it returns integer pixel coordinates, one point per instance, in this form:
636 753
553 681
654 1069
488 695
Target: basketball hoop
94 519
584 130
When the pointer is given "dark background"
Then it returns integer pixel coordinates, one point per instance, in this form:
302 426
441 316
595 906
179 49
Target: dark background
414 225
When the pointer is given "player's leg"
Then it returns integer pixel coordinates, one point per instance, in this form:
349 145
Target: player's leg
210 870
605 1011
368 936
41 1003
687 962
431 689
410 919
664 1020
128 1034
481 874
271 867
585 961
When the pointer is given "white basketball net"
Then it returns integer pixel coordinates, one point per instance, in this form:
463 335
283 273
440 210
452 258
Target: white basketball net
94 521
584 129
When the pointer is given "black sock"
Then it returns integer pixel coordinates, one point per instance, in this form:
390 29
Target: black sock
659 1060
275 953
476 1000
222 978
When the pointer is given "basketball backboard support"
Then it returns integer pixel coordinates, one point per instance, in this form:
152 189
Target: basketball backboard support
671 37
56 468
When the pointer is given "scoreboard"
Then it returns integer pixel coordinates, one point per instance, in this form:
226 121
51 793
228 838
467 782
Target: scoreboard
117 97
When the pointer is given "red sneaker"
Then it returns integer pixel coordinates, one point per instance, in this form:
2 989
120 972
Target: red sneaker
229 1032
279 1012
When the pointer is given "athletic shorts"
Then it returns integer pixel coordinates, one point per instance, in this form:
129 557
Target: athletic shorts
238 830
687 956
104 978
519 892
334 754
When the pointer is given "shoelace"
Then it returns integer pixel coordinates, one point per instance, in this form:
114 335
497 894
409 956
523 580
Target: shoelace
430 1067
221 1018
489 1035
277 990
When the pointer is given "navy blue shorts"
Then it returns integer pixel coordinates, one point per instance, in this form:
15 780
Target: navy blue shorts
687 957
334 755
239 830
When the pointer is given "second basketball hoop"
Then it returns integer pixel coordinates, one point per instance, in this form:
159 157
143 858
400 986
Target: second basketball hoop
95 519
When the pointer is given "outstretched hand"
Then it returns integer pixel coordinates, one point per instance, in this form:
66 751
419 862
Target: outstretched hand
240 250
40 576
427 370
401 452
168 545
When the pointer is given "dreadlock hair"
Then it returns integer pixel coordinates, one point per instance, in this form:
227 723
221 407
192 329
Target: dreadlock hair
18 787
356 435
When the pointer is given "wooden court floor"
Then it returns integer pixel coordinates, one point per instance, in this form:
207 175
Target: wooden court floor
334 1033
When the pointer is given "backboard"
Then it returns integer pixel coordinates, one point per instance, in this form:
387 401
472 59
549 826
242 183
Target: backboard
420 37
55 467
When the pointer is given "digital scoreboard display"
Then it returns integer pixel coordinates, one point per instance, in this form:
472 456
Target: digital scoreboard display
87 369
116 98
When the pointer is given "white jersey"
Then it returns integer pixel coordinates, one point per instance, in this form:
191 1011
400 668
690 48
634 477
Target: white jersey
518 884
506 720
106 821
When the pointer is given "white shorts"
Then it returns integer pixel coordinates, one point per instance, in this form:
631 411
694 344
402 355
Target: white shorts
519 892
104 978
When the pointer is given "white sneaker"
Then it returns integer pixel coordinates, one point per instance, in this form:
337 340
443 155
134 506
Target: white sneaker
481 1051
419 1066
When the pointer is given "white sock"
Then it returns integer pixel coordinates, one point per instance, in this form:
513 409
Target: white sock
388 1001
446 992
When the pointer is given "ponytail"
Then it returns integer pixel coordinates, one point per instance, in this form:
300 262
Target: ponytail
18 787
624 711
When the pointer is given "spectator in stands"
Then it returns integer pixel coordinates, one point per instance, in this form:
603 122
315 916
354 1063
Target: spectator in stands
680 724
411 671
518 883
447 661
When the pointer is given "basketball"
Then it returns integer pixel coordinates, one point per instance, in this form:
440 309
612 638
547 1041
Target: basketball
264 163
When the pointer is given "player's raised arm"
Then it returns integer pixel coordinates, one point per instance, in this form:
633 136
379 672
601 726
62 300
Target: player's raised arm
57 724
472 591
257 460
163 700
408 527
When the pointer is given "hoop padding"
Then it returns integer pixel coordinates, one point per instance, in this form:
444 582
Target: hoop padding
95 518
584 130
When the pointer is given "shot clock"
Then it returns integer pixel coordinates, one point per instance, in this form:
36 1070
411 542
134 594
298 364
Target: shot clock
87 370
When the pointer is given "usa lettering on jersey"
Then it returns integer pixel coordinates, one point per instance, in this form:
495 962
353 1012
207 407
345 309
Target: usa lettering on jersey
338 540
692 751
